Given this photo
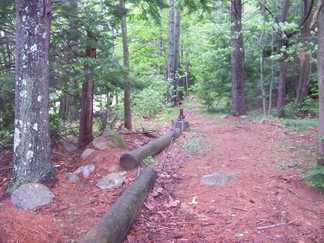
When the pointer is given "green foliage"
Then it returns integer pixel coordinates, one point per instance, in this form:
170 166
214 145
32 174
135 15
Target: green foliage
196 142
309 108
315 176
148 102
6 112
301 125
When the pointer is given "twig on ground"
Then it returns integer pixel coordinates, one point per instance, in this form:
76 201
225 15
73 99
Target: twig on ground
242 209
275 225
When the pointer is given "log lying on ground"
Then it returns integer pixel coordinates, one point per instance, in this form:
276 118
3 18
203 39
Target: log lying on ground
133 158
114 225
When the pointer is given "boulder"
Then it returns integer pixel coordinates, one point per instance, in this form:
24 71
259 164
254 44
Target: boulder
31 195
109 141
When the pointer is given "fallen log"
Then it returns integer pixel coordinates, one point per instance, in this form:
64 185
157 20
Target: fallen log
115 224
133 158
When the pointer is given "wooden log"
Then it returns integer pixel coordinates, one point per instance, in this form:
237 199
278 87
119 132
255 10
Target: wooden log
115 224
133 158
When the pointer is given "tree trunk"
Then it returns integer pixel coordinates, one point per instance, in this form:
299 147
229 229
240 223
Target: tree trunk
283 64
171 54
115 224
86 116
237 59
320 70
31 153
177 32
132 159
304 57
127 92
263 90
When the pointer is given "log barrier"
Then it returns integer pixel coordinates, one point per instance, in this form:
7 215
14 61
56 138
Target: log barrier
115 224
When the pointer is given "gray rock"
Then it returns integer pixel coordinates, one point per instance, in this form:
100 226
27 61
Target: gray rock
70 144
78 170
113 180
86 153
31 195
72 177
112 168
108 141
218 179
102 143
87 170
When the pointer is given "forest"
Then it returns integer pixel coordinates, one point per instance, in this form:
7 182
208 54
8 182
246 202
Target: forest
72 70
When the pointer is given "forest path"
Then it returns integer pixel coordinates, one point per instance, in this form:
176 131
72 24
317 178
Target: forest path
269 202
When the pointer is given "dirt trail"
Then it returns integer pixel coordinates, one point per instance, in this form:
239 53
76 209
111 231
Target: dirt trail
269 202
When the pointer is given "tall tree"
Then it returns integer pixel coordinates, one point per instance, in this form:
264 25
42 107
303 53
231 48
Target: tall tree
262 83
86 116
127 92
305 55
237 60
31 157
320 71
171 52
284 44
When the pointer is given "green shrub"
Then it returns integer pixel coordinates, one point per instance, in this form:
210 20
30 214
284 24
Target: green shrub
315 177
148 102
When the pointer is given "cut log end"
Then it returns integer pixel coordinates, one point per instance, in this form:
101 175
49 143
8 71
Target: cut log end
128 162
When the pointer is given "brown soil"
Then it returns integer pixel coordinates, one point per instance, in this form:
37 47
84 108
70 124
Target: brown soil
270 201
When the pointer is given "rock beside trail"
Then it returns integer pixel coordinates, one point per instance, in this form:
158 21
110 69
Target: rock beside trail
31 195
113 180
87 153
70 144
109 141
85 170
218 179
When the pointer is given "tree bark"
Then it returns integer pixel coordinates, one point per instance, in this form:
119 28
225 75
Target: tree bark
171 54
283 64
320 70
133 158
177 33
86 116
263 90
304 57
114 226
31 153
127 92
237 60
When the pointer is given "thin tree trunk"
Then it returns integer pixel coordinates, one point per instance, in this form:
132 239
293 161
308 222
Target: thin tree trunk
263 91
171 54
304 57
283 64
237 59
31 153
86 116
177 31
127 92
320 70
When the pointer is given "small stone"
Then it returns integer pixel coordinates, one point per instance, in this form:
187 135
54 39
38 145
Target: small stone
72 177
78 170
87 170
217 179
112 168
86 153
113 180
